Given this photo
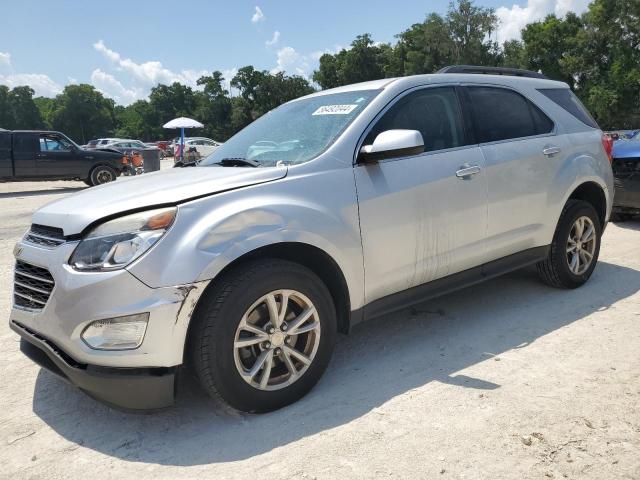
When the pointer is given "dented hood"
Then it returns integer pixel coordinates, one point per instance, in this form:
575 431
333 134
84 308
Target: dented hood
75 212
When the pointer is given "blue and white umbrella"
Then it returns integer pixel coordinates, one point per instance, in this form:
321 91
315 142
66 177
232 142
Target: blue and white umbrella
182 123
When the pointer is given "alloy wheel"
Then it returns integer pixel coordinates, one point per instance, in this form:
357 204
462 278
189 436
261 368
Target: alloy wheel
581 245
276 340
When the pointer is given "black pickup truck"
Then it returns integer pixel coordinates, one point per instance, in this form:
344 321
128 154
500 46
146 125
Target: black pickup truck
29 155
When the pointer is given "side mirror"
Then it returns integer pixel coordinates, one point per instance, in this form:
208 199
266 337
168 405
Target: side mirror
392 144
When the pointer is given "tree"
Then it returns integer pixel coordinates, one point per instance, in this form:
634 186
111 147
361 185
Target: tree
25 112
365 60
551 46
462 37
214 106
262 91
82 113
6 112
470 29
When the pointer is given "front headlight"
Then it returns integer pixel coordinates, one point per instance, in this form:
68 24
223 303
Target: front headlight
116 243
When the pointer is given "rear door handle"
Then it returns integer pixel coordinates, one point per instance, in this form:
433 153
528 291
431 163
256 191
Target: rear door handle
466 171
550 150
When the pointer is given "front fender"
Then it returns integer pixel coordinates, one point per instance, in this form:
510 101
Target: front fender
210 233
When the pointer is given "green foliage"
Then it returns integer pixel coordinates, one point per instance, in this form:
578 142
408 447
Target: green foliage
18 111
82 113
461 37
597 54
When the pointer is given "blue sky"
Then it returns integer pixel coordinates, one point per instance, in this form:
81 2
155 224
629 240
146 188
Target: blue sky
126 47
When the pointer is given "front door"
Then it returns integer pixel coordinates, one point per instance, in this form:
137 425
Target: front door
420 218
58 157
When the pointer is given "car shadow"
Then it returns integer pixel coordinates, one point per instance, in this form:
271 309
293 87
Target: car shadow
39 193
633 224
380 360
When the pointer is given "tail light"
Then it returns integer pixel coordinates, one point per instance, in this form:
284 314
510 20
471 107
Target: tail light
607 144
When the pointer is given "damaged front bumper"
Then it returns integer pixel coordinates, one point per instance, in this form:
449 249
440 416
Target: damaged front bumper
137 378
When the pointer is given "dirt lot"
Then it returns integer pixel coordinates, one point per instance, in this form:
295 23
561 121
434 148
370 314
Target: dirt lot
509 379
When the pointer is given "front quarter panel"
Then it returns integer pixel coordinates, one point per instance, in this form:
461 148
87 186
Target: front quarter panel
314 207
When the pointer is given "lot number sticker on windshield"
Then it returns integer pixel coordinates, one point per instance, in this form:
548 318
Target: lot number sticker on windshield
335 110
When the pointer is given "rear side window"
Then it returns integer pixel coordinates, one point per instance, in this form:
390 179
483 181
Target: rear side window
25 142
567 100
501 114
5 141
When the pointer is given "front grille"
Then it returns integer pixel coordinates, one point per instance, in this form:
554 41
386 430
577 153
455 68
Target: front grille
45 236
32 286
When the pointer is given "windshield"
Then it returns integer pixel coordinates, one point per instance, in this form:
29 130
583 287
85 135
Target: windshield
295 132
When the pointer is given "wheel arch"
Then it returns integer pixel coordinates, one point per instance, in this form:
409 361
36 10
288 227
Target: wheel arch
593 193
312 257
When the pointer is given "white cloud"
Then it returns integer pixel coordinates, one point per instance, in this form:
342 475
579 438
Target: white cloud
41 84
5 59
513 19
228 75
274 39
150 73
258 16
331 51
291 62
112 88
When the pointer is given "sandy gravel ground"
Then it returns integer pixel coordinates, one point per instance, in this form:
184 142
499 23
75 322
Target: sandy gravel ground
508 379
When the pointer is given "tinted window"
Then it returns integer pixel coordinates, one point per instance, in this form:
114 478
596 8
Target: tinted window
434 112
25 142
500 114
5 140
567 100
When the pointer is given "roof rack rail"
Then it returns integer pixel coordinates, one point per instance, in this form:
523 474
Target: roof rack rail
515 72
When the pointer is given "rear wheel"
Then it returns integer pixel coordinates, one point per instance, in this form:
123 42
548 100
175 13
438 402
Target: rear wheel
102 174
575 248
264 335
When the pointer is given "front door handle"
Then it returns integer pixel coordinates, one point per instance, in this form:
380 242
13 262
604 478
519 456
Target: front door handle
466 171
550 150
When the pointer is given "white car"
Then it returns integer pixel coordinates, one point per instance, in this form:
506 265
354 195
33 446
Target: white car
204 146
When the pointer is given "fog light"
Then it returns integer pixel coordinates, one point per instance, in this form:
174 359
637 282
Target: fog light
122 333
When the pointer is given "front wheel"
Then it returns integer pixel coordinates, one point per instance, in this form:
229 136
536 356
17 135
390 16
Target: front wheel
102 174
575 248
264 335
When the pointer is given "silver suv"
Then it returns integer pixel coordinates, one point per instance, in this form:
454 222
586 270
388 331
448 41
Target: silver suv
332 209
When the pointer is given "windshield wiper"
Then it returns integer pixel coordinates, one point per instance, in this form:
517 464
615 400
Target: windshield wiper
238 162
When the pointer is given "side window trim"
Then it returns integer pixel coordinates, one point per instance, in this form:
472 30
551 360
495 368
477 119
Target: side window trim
398 98
472 118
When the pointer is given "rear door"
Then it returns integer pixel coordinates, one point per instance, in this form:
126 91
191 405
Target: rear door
419 220
522 154
6 164
25 149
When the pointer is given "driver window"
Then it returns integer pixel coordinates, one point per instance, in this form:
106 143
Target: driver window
434 112
49 143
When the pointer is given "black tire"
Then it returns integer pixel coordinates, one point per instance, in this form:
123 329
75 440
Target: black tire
555 269
102 174
211 339
88 182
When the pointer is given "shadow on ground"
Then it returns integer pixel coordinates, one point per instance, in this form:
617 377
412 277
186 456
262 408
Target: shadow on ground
40 193
633 224
379 361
